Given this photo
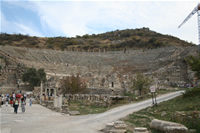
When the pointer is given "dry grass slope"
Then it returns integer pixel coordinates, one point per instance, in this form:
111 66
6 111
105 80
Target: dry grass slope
114 40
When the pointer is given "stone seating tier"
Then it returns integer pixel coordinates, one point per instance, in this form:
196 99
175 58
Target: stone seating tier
90 58
97 62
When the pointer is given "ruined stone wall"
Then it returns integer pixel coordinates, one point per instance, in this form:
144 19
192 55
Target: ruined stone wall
111 70
10 73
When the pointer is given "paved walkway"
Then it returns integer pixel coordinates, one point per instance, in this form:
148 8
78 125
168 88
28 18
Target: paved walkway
38 119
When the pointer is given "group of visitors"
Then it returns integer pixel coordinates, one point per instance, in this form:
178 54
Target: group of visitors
14 100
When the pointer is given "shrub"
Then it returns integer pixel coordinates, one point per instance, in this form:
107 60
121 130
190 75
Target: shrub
2 44
73 85
50 46
152 40
191 92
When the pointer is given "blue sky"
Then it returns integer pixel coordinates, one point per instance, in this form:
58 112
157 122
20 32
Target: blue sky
71 18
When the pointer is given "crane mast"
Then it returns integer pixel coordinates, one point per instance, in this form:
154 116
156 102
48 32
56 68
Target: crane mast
195 10
198 18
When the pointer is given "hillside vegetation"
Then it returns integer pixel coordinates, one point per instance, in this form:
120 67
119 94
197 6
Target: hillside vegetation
184 109
114 40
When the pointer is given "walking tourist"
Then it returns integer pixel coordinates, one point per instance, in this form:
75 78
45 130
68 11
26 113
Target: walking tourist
23 105
30 102
25 96
16 104
13 95
0 100
11 101
7 101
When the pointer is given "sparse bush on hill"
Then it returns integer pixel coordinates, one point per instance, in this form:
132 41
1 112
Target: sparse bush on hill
86 36
152 40
62 46
129 38
51 46
50 41
86 47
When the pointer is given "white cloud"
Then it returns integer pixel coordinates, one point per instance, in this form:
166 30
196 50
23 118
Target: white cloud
78 18
69 19
24 29
16 27
5 24
73 18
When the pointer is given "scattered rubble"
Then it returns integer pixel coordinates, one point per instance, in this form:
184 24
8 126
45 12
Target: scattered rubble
115 127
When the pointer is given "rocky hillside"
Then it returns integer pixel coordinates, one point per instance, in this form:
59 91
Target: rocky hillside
114 40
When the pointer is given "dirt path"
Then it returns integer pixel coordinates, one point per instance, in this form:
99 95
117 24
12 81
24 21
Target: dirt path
38 119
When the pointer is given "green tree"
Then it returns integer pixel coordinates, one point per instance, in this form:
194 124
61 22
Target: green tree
73 85
140 83
34 77
194 63
42 75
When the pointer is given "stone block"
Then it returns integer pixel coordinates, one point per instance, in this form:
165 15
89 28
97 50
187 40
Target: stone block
108 127
49 104
64 106
169 127
110 124
74 112
65 109
44 105
140 130
57 109
117 131
175 129
192 131
163 113
119 125
115 127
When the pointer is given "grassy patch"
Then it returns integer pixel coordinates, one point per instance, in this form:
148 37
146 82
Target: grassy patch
133 97
182 104
76 105
191 92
